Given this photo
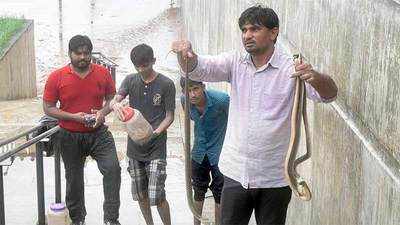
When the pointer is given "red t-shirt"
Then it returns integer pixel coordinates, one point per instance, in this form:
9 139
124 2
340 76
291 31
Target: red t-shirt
78 94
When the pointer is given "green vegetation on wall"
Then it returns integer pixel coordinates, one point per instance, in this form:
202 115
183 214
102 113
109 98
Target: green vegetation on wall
8 27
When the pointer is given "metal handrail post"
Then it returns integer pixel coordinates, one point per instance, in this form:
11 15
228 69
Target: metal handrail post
57 171
39 170
40 187
100 59
2 212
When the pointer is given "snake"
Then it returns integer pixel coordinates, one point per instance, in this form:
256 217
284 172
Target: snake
299 113
188 158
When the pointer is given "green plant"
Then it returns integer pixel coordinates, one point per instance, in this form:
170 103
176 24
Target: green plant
8 27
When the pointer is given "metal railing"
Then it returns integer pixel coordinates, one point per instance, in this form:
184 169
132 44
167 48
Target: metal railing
99 58
39 168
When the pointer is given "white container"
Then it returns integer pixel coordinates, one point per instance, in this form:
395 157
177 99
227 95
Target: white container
137 127
57 214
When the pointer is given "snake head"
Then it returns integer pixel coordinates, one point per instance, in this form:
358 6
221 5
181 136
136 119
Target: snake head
303 191
297 58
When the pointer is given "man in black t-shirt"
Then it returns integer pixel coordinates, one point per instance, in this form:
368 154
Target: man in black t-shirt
153 94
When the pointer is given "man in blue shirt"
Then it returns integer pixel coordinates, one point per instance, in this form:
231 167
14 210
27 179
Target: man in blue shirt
209 111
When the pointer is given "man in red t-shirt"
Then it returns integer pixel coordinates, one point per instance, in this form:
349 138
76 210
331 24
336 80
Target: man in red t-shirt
84 91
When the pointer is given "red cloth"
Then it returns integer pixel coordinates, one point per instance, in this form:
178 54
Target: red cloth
78 95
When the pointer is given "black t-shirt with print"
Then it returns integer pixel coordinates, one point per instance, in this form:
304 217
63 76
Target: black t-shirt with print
152 100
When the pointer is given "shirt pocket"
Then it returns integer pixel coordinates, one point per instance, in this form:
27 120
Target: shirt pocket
274 105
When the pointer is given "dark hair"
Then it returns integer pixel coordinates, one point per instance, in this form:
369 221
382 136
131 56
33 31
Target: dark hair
142 54
79 41
191 82
258 15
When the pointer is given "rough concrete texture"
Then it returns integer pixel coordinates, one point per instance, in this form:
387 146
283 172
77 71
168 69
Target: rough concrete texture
357 43
17 66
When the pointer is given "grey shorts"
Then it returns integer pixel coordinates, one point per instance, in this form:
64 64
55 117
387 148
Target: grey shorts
148 179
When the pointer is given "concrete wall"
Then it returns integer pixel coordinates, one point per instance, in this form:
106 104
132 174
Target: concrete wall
354 172
17 66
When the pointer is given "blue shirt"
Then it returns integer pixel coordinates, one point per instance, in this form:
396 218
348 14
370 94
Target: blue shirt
209 128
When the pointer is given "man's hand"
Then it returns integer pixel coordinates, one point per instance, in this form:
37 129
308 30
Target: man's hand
117 108
79 117
306 73
155 135
182 48
186 57
323 84
100 118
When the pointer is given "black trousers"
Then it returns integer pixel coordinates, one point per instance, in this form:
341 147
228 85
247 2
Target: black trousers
201 180
269 204
75 147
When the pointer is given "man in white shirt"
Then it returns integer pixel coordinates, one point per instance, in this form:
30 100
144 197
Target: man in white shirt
257 136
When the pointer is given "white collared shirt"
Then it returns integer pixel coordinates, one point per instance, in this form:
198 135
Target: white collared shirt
258 131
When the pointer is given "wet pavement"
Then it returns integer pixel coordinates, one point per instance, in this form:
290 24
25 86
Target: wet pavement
114 26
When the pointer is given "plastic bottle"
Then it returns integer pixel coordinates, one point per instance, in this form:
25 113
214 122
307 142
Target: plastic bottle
57 214
137 127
